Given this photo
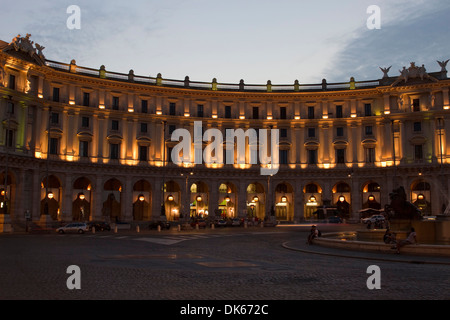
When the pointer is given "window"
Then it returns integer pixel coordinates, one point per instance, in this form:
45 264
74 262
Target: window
339 131
311 132
169 155
339 112
369 130
368 110
115 125
86 99
10 109
54 118
418 152
282 112
172 128
85 122
283 133
370 155
283 156
12 82
228 112
84 149
310 112
255 112
172 108
9 138
340 156
115 103
53 145
144 106
56 94
114 151
416 105
312 156
143 153
417 126
200 110
143 128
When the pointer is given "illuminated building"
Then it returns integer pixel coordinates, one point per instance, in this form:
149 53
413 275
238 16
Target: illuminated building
70 130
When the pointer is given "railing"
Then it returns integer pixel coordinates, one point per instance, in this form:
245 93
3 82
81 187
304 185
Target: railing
213 85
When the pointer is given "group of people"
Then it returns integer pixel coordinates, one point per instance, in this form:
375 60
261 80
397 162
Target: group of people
388 238
391 238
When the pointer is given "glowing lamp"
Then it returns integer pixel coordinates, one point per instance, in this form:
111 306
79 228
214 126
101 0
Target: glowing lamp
283 199
82 197
341 198
50 195
141 198
170 198
199 198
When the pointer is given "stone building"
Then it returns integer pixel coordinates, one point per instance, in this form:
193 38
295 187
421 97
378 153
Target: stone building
83 143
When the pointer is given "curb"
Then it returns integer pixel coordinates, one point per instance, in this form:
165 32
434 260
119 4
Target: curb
418 261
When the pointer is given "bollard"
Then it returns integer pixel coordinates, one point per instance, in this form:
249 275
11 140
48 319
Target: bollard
262 224
212 226
159 228
196 226
138 229
115 229
93 229
245 224
179 227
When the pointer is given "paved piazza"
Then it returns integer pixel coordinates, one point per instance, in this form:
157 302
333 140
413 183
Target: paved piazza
226 264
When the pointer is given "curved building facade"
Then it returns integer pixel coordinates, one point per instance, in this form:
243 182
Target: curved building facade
79 143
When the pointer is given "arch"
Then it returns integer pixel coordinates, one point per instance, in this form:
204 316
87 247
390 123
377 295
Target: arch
284 201
421 196
312 199
112 195
7 193
256 198
51 194
227 200
342 199
141 200
199 199
172 200
81 199
371 195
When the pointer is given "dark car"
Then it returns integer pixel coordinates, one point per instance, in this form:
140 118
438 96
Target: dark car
99 226
161 224
334 219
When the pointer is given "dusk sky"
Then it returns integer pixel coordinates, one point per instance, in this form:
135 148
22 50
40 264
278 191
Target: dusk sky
254 40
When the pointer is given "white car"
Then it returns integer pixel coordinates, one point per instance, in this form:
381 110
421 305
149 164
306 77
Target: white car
373 218
74 227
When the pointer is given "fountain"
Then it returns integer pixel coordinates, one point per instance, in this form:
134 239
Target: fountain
402 216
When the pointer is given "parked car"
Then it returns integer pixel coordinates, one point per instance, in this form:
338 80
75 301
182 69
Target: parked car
220 223
334 219
373 218
74 227
162 224
236 222
201 223
99 226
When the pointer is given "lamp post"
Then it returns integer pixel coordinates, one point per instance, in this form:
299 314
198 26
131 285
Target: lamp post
7 137
163 207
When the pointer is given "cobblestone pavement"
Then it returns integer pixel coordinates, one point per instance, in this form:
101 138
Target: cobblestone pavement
225 264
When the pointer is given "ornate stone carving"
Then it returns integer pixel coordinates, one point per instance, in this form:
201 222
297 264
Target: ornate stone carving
413 72
385 71
24 44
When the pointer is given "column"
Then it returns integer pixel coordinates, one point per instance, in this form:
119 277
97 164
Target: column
213 197
98 199
242 200
66 201
299 214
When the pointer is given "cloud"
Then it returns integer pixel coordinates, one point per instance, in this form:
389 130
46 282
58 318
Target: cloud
420 38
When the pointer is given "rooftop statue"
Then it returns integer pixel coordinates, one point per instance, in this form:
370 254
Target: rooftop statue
24 44
385 71
443 65
413 72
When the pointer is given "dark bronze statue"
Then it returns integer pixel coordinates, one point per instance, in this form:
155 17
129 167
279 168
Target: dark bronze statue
402 208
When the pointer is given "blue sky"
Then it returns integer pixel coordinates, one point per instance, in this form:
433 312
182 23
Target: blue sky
254 40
